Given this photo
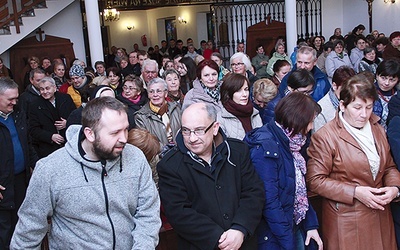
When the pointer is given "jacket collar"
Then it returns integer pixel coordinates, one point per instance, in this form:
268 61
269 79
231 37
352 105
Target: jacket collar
220 146
344 135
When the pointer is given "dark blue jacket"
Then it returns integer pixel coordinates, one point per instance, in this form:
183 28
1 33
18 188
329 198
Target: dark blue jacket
393 133
321 86
394 107
7 157
273 161
268 112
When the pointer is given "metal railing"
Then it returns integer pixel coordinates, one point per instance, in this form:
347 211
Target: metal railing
236 17
12 10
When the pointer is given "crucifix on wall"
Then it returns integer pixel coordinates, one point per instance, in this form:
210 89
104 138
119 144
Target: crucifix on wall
40 35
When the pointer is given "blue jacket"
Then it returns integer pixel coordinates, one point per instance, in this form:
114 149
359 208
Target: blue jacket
321 86
7 157
273 161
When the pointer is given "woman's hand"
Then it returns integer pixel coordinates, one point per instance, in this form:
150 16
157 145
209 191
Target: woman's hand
371 197
313 234
388 194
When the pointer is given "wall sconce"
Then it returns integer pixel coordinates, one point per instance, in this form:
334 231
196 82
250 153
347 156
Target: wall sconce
182 20
389 1
111 15
130 27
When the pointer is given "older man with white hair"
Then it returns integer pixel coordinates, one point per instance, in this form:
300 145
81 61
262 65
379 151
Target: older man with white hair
149 71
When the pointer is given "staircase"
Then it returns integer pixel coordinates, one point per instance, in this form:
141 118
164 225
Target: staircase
31 15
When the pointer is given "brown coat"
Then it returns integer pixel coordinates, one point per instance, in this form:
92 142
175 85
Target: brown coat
336 166
390 52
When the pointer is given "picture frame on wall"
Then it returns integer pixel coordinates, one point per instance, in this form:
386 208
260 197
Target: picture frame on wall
170 29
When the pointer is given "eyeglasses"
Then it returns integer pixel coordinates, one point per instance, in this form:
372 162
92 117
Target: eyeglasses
196 131
306 92
158 91
150 72
129 88
237 64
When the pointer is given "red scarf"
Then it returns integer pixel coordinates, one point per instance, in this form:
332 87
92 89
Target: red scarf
242 112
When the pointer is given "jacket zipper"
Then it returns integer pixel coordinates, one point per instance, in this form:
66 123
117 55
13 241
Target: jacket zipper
103 174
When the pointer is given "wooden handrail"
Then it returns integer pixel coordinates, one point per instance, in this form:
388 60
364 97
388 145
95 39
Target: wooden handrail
26 5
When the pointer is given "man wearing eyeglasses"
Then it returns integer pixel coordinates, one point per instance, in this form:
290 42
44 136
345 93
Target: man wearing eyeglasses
211 194
149 71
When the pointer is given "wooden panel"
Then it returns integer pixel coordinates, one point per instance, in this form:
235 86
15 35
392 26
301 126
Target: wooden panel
265 33
52 47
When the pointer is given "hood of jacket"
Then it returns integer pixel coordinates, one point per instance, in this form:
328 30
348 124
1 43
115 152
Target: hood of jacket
268 136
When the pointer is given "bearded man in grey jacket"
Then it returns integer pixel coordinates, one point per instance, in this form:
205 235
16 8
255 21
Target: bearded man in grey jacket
97 190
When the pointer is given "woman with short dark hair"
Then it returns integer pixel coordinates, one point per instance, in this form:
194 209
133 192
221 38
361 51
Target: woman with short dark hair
206 88
357 53
370 61
351 167
133 95
115 76
289 221
218 59
330 102
387 78
338 57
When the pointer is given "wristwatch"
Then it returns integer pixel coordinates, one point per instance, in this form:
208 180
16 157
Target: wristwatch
398 192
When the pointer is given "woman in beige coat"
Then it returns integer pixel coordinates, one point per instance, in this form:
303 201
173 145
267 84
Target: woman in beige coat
351 167
237 116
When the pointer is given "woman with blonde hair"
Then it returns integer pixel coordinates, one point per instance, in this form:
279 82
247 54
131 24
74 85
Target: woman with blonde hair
264 96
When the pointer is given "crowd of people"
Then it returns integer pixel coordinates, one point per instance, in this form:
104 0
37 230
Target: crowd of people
232 153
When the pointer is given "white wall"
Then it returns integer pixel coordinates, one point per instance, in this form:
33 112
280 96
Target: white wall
332 17
347 14
120 36
66 24
385 16
151 24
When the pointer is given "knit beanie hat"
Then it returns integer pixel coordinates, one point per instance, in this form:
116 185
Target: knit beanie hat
76 70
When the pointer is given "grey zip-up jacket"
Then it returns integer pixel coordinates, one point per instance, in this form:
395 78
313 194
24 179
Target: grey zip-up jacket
92 205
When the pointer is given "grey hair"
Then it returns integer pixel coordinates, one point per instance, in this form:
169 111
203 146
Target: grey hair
36 71
170 71
243 57
149 62
78 62
48 79
7 83
157 80
209 108
307 50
